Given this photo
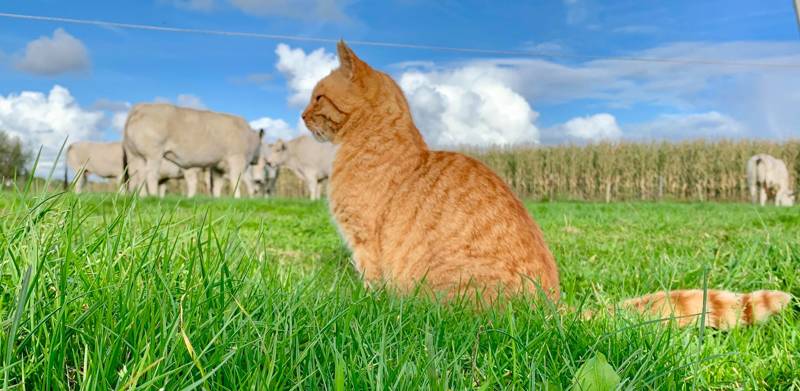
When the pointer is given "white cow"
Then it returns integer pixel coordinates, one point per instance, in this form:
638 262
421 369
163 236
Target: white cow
168 170
767 178
191 138
307 158
269 188
98 158
105 160
215 179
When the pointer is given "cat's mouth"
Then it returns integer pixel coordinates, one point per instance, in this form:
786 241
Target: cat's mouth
319 137
322 128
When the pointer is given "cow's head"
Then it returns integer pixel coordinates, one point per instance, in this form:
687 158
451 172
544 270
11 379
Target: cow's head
277 153
786 198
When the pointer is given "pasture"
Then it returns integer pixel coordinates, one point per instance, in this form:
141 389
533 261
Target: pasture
100 291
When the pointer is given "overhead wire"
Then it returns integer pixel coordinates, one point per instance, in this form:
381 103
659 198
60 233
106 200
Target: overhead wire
300 38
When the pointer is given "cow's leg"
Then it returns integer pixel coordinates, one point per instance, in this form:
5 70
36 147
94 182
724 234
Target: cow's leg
753 194
216 183
319 188
121 188
271 182
236 171
162 189
762 195
312 184
81 181
249 184
136 185
153 166
190 176
208 179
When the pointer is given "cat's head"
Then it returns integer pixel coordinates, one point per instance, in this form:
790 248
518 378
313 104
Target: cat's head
352 91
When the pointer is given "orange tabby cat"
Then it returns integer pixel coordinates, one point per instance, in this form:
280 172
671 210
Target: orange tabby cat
412 215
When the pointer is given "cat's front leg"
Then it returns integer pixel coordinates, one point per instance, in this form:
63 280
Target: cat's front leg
366 264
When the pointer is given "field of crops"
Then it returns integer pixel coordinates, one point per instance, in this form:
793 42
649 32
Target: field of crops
685 171
105 292
624 171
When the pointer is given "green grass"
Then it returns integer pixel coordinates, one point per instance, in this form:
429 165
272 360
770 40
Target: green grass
105 292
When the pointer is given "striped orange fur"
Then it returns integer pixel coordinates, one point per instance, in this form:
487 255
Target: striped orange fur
411 215
723 310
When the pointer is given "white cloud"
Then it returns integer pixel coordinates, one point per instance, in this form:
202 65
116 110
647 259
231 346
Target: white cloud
666 83
278 129
595 127
468 105
117 113
318 10
52 56
46 120
184 100
302 71
118 120
471 105
489 101
711 124
763 98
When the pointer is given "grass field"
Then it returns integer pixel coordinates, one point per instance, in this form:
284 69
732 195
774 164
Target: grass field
105 292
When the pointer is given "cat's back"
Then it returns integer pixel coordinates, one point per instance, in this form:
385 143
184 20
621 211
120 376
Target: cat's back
453 218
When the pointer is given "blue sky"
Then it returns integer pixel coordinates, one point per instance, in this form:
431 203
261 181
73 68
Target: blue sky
578 92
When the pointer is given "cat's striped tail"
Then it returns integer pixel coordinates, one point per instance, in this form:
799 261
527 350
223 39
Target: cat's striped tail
723 310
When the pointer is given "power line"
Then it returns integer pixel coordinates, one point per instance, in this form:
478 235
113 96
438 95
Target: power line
299 38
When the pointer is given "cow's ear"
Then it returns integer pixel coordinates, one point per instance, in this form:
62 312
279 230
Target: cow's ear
261 133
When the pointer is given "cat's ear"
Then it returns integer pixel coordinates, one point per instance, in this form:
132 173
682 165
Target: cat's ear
349 63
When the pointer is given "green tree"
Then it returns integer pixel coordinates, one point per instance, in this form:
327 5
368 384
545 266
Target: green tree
14 157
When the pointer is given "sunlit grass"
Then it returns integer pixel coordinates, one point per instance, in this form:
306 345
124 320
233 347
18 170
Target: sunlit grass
107 292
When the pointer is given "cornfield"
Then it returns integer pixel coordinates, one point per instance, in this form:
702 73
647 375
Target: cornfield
685 171
692 170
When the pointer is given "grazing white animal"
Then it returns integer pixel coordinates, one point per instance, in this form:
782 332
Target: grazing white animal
270 186
307 158
168 170
268 182
98 158
768 178
215 179
105 159
191 138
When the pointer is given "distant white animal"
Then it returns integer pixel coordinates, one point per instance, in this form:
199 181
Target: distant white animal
192 138
215 179
105 160
270 186
167 171
98 158
768 178
269 181
307 158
